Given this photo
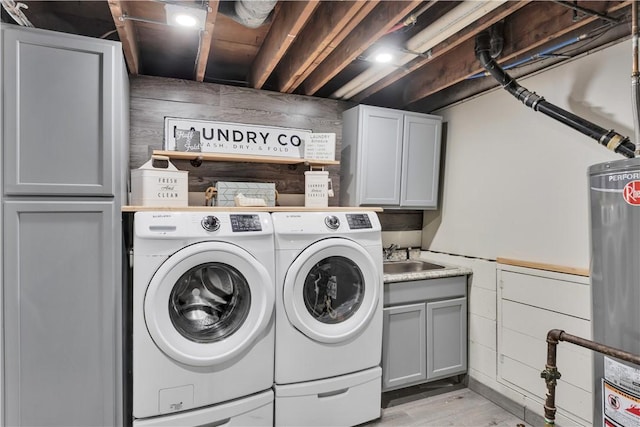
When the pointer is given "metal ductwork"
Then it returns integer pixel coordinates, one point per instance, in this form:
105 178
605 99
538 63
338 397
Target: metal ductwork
609 138
250 13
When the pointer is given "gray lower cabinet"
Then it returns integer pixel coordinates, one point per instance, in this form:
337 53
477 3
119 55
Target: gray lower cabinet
424 331
404 351
59 316
446 338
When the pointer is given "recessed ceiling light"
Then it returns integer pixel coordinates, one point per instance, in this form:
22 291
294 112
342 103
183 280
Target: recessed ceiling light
185 16
186 20
383 57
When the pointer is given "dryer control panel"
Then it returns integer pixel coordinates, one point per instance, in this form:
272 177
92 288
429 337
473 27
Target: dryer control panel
358 221
245 222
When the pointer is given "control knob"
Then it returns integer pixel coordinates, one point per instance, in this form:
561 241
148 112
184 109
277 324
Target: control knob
332 222
210 223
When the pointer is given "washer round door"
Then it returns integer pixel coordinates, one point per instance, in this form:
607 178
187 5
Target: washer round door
208 303
331 290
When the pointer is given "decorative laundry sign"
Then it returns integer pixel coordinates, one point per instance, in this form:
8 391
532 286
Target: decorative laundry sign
320 146
235 138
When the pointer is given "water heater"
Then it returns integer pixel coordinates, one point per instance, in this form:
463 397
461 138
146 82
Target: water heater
615 288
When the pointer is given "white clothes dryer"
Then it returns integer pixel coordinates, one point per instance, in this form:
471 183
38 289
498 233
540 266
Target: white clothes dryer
203 300
328 317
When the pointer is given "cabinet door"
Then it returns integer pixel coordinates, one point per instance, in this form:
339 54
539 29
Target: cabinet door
403 346
381 146
420 161
58 128
446 338
62 314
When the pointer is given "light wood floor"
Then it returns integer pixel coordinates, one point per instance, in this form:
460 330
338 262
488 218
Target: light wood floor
451 405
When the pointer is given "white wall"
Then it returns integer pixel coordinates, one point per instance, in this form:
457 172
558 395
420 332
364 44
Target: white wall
515 180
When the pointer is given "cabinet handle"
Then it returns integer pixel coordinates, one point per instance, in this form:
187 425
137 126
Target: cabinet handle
333 393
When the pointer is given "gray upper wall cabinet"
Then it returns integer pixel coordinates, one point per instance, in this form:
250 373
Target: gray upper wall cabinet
390 158
61 113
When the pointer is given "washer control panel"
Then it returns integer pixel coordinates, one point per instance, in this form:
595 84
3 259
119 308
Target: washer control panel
358 221
245 222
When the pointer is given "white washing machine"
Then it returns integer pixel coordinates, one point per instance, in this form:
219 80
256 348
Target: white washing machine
328 318
203 324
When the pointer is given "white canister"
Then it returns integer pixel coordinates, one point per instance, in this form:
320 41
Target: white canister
316 189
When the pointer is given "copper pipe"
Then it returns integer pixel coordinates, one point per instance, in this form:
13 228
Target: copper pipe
551 374
551 377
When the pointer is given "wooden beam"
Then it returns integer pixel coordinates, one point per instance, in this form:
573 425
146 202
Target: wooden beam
444 47
375 25
206 37
367 7
126 33
529 28
323 27
289 20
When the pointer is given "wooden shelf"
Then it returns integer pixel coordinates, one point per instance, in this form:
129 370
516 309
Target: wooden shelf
543 266
248 209
186 155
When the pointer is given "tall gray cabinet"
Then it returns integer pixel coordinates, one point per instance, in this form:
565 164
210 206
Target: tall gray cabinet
64 166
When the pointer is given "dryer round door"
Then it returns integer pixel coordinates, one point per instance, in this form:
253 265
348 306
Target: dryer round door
208 303
331 290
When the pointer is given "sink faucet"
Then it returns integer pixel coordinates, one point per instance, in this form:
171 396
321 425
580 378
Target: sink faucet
389 251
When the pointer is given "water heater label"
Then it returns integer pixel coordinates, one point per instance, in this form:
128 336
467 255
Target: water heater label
622 375
620 394
631 193
618 407
624 176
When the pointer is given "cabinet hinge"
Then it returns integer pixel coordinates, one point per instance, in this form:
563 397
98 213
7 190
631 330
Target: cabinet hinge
501 283
131 258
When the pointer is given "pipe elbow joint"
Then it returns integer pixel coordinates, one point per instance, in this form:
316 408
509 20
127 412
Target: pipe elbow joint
554 335
483 45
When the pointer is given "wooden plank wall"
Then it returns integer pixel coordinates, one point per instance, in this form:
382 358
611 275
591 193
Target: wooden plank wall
153 98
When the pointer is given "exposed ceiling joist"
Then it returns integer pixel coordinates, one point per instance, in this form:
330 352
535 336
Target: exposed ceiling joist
316 47
367 7
289 20
206 38
374 26
529 28
322 29
127 36
444 47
